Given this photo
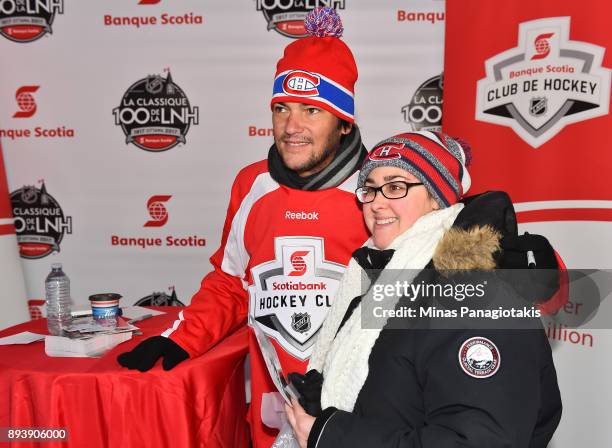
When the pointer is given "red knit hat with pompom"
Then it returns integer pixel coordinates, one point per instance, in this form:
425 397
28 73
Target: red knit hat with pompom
440 162
319 69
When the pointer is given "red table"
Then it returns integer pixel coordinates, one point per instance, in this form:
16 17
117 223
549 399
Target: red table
200 403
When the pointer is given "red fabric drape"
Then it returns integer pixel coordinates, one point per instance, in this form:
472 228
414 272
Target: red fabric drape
200 403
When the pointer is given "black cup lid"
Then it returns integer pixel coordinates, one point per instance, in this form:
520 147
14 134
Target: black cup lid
104 296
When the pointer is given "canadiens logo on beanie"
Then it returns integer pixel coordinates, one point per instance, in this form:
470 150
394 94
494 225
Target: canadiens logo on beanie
436 159
319 69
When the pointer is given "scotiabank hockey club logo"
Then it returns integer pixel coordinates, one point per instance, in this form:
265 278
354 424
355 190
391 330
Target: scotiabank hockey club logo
155 114
40 222
290 295
424 112
28 20
287 16
545 83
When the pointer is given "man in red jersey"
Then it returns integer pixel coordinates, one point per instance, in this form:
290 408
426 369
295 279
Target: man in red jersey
291 225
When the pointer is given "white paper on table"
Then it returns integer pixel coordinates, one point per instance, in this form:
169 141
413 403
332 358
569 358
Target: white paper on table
91 347
83 327
134 312
25 337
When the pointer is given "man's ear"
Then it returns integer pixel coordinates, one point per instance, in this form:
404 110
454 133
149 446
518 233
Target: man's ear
346 128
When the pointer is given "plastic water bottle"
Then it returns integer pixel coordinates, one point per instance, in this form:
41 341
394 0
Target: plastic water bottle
57 294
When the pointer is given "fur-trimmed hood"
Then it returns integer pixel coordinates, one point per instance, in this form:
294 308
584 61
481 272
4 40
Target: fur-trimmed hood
474 241
473 248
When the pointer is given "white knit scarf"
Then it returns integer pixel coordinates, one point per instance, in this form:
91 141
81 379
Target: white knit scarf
343 360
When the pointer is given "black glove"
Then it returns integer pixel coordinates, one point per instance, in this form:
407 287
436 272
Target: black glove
515 248
309 387
145 355
534 282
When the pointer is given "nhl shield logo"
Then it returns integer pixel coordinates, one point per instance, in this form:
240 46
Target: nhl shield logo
300 322
538 106
29 194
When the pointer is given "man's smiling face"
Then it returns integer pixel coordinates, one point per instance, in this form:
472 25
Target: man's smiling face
307 137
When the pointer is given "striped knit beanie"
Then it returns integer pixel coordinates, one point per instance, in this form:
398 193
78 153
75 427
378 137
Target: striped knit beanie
436 159
319 69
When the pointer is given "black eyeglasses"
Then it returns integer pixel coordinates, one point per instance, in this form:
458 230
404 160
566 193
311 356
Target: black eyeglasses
391 190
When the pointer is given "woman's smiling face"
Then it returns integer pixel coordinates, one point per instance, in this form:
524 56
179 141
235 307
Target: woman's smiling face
388 218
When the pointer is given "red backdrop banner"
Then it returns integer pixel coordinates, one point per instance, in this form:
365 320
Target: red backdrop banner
527 84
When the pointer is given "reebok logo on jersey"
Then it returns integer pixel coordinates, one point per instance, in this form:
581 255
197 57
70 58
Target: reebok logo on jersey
311 216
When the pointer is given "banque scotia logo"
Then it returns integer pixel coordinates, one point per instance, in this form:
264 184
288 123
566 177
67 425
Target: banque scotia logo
25 101
545 83
157 210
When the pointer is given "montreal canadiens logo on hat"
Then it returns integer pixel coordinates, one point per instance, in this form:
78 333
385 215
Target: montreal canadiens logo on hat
387 152
301 83
479 357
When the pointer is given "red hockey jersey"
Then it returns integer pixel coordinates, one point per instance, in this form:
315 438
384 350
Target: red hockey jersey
282 255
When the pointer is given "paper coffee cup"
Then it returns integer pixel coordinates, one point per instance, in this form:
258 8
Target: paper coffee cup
105 308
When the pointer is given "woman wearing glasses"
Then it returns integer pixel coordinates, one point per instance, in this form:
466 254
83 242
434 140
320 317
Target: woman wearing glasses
423 387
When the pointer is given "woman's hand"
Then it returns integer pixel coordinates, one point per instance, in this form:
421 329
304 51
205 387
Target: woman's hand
300 421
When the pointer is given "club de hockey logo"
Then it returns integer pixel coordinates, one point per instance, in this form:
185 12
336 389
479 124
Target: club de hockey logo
155 114
291 294
424 112
287 16
28 20
40 223
479 357
545 83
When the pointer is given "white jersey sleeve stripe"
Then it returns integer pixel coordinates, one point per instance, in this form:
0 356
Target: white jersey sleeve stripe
235 256
175 325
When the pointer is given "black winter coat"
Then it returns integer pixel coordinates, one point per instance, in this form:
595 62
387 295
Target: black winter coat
417 394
